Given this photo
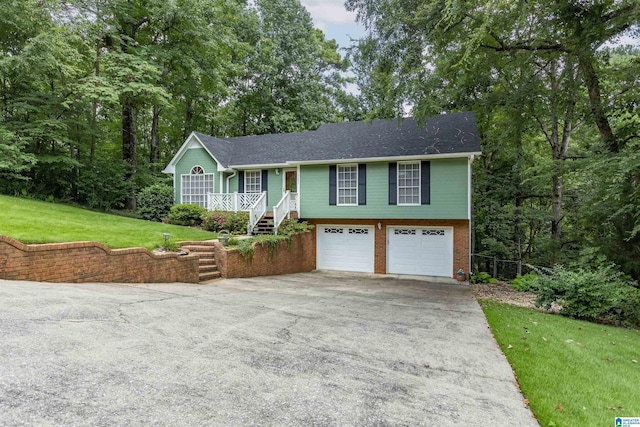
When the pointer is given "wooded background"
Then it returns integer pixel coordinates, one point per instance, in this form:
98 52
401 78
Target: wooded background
97 95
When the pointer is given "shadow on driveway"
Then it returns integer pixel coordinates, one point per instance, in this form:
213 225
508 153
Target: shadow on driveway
304 349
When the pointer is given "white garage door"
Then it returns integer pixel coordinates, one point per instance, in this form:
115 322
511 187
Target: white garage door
420 251
345 248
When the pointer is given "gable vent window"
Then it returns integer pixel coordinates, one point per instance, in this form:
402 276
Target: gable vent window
358 231
407 231
195 186
433 232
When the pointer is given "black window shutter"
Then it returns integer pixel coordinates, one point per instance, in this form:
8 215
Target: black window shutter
332 185
265 175
241 182
425 184
362 184
393 183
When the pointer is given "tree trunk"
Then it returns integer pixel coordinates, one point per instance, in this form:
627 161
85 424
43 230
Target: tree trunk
593 87
129 143
556 216
154 142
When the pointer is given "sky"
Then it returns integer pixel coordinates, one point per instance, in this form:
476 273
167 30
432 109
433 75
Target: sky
331 17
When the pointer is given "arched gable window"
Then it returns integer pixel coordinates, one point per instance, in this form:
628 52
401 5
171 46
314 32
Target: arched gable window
195 186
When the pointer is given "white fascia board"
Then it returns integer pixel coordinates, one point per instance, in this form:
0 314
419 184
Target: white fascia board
261 166
171 167
387 159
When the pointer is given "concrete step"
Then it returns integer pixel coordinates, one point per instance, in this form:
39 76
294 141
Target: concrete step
209 276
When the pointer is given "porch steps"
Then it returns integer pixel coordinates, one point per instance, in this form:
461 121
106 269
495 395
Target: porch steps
265 226
207 266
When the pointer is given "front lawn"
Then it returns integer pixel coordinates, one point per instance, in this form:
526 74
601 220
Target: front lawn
573 373
32 221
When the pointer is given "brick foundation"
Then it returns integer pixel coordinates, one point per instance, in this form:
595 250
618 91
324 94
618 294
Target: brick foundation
299 257
80 262
460 238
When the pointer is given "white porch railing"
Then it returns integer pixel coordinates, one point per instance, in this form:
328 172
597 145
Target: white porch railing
257 211
282 210
232 201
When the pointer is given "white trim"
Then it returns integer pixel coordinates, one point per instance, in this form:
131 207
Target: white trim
419 183
387 158
171 167
204 174
259 171
345 165
299 184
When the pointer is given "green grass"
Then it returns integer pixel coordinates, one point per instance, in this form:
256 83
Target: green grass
573 373
32 221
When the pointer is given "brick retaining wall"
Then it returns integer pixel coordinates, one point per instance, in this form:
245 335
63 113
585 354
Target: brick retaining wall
79 262
299 257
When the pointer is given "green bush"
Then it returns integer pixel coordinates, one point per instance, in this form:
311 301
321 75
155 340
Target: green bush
235 222
526 283
186 214
589 293
155 201
289 227
482 277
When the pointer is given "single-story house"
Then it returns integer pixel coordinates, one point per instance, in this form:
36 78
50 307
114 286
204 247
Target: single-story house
386 196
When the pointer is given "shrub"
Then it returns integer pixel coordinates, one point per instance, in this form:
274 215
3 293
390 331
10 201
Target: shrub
235 222
289 227
589 293
482 277
186 214
155 201
526 283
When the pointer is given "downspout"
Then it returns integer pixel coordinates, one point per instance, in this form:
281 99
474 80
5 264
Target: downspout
229 180
471 221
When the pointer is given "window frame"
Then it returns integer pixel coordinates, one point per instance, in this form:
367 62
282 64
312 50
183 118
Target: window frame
247 175
339 188
417 188
197 197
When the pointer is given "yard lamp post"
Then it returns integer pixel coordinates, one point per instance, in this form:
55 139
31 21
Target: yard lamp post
166 238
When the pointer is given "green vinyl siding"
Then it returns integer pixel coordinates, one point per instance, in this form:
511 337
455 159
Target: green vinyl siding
195 157
449 193
274 188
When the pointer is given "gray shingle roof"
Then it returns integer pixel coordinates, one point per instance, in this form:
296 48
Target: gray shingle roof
443 134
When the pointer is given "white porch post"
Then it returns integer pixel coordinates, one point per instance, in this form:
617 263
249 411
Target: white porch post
236 197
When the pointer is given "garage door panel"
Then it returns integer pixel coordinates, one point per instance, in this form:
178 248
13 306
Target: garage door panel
345 248
421 251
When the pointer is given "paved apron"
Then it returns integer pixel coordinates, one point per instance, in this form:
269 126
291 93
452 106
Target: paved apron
306 349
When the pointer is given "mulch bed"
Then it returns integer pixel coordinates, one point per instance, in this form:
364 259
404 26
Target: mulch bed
504 293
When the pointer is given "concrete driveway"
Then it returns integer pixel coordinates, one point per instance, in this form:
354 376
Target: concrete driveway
298 350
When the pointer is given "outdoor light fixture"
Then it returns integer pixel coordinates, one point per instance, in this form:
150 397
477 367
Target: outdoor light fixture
379 226
166 238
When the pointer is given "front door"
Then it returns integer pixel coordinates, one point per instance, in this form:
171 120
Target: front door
291 181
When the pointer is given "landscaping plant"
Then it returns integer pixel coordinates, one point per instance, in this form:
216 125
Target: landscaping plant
587 293
235 222
155 201
186 214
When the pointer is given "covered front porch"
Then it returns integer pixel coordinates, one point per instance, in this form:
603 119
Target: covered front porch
256 205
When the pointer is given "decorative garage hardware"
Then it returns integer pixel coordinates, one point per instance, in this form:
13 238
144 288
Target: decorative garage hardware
358 231
333 230
408 231
433 232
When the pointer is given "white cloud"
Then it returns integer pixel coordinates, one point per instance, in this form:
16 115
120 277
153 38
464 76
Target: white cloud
326 12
